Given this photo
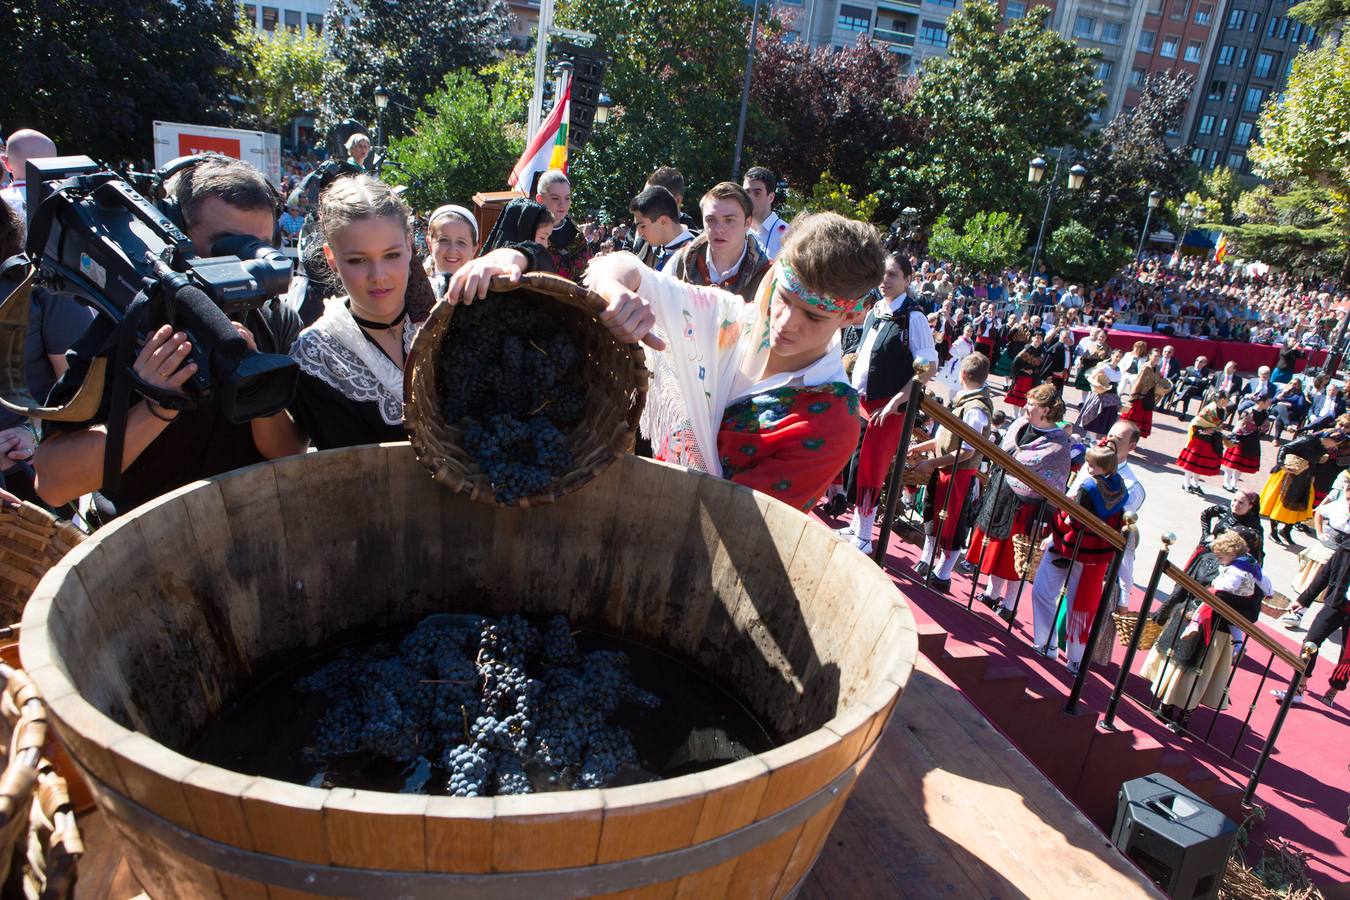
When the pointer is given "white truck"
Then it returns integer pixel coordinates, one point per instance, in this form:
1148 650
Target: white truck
175 139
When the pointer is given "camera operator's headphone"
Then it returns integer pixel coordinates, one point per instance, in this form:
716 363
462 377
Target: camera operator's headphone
173 209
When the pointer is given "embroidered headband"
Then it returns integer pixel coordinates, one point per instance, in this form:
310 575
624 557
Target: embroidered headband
820 301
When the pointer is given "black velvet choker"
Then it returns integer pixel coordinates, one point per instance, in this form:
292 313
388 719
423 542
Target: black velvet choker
378 326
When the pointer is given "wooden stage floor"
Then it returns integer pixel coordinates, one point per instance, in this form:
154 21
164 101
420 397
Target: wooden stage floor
947 808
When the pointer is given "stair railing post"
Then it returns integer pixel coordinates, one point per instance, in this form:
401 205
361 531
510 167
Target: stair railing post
1295 682
1168 539
1098 621
895 481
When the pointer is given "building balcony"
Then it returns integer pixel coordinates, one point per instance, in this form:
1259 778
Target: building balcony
900 6
894 38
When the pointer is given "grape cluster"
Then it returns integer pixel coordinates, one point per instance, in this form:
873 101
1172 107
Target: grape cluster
484 703
508 374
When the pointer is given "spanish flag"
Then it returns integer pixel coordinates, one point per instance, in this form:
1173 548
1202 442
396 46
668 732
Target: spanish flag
548 149
1221 248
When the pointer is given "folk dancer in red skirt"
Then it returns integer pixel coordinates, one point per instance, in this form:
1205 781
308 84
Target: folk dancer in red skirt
1026 370
1203 451
1148 386
1244 453
952 470
1101 490
1009 507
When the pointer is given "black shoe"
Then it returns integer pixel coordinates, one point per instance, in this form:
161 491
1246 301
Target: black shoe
1288 536
836 506
941 585
922 569
1275 536
1303 528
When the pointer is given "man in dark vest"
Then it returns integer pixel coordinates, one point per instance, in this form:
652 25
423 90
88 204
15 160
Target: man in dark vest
893 334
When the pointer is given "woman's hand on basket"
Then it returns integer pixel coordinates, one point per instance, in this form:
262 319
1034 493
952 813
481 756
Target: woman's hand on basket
472 281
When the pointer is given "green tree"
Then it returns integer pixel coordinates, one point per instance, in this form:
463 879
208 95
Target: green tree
1305 134
828 195
464 141
987 242
406 47
1132 157
1220 190
1073 252
1321 14
94 76
675 79
284 70
1289 228
999 97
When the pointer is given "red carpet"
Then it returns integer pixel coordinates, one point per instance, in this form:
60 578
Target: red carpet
1305 786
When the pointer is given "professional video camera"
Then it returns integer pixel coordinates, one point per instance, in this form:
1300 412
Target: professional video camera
92 235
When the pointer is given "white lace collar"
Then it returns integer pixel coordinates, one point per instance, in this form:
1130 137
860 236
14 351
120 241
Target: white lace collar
337 352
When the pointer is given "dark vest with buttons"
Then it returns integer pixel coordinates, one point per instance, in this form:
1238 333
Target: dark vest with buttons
891 366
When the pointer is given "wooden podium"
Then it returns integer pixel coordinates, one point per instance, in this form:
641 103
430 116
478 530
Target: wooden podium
487 206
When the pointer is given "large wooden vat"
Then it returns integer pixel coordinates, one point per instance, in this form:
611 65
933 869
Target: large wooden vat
145 630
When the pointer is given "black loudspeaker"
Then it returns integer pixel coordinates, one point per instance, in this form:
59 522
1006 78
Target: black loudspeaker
1177 839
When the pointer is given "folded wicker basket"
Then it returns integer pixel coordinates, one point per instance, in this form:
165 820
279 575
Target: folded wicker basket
31 541
615 376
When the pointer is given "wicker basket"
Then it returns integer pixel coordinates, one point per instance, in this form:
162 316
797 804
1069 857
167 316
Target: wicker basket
1127 620
1276 605
615 375
1026 555
31 541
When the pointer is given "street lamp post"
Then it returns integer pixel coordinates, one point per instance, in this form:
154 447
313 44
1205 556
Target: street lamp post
1035 173
745 94
602 107
1154 199
381 103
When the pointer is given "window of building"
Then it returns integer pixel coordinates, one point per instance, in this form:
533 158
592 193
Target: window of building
791 37
1206 125
1255 97
1235 19
1236 161
1266 65
1169 46
950 3
1104 71
1015 10
1242 133
1084 26
269 18
1216 89
1204 14
1233 92
1242 57
1226 55
1155 7
315 22
1213 158
854 18
1273 26
1146 41
251 13
1179 9
934 34
1193 51
1137 76
1111 32
1284 28
1296 32
1223 126
1198 156
292 20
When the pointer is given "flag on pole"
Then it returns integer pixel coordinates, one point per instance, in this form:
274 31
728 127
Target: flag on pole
1221 248
548 149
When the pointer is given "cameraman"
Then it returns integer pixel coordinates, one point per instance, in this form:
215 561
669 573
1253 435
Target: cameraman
164 448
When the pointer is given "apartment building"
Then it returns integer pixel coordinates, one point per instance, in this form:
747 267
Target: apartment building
297 15
1256 46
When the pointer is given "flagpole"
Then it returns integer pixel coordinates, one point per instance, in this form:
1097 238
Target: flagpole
540 66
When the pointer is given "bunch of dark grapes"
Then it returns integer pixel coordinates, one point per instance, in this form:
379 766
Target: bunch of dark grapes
508 374
483 703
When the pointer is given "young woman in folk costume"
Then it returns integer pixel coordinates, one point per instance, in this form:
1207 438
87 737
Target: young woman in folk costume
1190 663
1102 406
1091 352
1143 395
1243 454
765 401
1076 559
350 389
1237 514
452 238
1026 370
1009 508
1013 336
1289 494
1204 449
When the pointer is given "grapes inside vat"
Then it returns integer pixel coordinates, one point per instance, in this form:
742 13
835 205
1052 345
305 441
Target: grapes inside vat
467 706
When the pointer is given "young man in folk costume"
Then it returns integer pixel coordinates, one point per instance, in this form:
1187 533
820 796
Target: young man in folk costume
571 254
760 395
987 333
656 216
724 255
894 334
769 229
953 469
1102 491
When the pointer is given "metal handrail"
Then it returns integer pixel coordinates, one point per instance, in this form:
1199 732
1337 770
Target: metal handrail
1060 501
